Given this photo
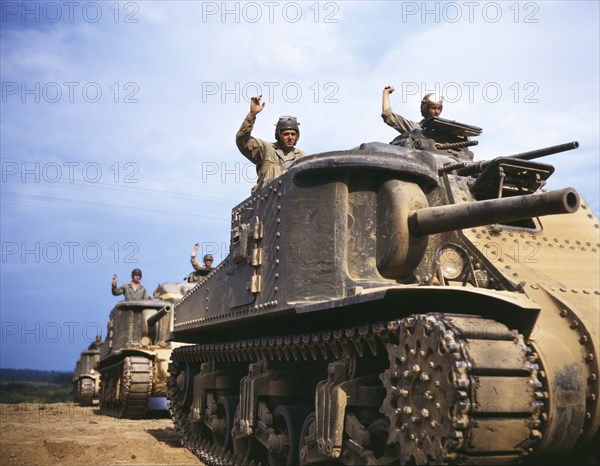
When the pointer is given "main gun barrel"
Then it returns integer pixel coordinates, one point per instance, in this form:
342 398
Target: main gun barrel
478 167
431 220
534 154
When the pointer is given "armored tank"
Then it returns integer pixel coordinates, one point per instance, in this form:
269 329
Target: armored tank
135 354
396 304
86 379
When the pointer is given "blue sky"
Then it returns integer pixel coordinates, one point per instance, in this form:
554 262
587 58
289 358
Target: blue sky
118 123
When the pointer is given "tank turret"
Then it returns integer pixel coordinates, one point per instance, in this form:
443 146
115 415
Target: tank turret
441 136
391 304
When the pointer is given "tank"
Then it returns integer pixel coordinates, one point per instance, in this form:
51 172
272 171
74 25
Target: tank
86 379
134 356
396 304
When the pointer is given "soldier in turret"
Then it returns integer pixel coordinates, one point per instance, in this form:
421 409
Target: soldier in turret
133 291
444 135
95 345
272 159
199 269
431 106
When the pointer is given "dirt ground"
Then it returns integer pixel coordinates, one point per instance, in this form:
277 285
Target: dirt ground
66 434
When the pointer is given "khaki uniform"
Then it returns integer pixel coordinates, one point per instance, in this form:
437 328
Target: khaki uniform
269 158
199 268
399 122
95 345
130 293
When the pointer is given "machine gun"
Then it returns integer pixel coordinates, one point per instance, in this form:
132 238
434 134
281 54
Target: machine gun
455 145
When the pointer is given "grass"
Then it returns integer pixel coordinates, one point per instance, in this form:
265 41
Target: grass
35 392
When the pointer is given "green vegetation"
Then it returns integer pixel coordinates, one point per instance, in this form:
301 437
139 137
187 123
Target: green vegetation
29 386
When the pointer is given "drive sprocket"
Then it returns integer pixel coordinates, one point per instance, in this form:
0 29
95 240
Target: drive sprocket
427 376
439 388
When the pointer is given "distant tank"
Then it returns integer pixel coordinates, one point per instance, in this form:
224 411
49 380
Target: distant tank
396 304
86 379
135 355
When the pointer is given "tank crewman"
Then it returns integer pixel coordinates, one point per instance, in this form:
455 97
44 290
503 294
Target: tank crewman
133 291
200 270
95 345
272 159
431 106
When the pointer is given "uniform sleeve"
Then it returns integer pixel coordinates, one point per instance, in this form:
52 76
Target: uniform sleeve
145 295
117 291
398 122
253 149
195 263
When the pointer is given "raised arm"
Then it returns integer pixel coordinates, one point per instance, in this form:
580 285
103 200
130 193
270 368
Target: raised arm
116 291
250 147
385 103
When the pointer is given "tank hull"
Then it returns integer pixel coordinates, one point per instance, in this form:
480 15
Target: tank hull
335 333
134 357
86 378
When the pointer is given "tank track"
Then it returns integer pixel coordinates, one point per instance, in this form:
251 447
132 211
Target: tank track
447 358
126 387
87 387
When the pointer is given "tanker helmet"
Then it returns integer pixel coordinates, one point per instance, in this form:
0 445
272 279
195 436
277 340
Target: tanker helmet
429 100
136 272
207 257
287 122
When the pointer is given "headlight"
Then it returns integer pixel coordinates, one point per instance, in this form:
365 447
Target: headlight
452 261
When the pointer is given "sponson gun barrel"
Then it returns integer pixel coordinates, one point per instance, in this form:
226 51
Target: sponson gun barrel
439 219
159 315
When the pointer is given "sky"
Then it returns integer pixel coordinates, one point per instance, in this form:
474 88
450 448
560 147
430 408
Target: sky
118 122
